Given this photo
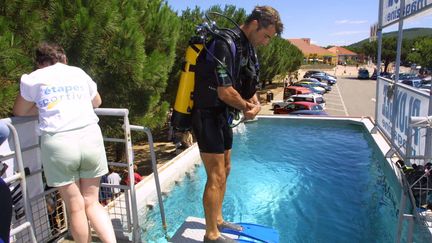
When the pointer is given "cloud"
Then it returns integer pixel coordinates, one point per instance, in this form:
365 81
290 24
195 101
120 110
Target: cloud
341 43
347 21
352 32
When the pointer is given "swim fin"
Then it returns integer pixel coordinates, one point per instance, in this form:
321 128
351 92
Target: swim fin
256 232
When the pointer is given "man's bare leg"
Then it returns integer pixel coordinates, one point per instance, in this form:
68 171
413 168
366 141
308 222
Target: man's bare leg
227 164
216 179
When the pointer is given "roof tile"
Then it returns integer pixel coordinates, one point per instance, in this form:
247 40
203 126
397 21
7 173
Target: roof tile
306 48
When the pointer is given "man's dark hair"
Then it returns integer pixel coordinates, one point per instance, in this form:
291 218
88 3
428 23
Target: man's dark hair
266 15
47 54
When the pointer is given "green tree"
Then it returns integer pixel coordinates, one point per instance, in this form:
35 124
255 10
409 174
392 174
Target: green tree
161 28
20 30
278 58
128 48
83 28
421 53
91 33
189 20
389 50
8 92
238 16
368 49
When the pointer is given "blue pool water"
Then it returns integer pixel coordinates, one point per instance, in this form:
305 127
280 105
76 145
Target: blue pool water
312 181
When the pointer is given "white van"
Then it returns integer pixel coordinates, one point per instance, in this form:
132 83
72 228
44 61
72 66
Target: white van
312 97
315 98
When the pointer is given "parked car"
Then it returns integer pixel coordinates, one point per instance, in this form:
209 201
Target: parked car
280 103
426 78
309 113
312 97
363 73
311 72
374 75
311 86
324 77
384 75
416 83
409 79
405 76
426 87
293 90
316 82
296 106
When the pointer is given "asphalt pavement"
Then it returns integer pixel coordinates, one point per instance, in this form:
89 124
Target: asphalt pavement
358 96
349 97
355 95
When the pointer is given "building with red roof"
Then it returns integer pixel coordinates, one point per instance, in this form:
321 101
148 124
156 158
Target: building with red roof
314 53
344 55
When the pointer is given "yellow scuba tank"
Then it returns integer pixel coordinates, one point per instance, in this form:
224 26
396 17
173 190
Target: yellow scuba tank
181 116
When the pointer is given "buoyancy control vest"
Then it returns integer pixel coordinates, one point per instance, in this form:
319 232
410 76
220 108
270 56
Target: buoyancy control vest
198 84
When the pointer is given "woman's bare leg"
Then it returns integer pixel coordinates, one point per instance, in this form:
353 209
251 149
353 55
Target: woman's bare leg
98 216
74 201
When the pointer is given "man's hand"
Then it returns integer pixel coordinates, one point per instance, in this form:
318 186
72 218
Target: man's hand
253 107
252 111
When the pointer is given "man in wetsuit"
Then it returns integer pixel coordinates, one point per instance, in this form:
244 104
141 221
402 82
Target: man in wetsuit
225 83
5 193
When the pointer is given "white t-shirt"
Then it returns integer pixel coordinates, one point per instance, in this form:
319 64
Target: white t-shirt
114 178
63 95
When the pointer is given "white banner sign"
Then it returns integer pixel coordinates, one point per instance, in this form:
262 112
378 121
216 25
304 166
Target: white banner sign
395 107
392 9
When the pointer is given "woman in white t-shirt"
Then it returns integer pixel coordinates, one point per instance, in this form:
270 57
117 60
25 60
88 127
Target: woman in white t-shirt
73 153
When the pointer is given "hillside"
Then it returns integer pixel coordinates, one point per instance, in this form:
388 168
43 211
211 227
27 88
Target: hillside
407 35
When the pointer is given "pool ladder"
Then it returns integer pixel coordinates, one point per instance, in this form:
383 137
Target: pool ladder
127 128
26 224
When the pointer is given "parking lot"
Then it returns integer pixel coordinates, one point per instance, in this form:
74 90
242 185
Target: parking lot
349 97
335 105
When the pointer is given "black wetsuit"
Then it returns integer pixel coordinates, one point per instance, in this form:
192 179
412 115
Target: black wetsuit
210 115
5 211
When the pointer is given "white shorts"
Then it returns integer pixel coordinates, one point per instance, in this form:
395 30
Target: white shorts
71 155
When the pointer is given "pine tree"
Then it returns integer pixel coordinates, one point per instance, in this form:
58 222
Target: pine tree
189 20
20 31
421 53
127 47
238 16
160 27
278 58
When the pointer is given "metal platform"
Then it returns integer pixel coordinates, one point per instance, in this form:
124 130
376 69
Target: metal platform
193 230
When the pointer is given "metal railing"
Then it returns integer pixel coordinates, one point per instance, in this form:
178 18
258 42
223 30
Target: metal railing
417 186
128 211
45 223
22 225
50 211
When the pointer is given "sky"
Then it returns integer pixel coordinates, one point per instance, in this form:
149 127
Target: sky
325 22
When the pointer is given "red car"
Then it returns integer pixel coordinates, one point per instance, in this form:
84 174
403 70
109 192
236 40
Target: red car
296 106
295 90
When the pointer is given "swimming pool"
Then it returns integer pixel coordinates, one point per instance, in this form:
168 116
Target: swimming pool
312 181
